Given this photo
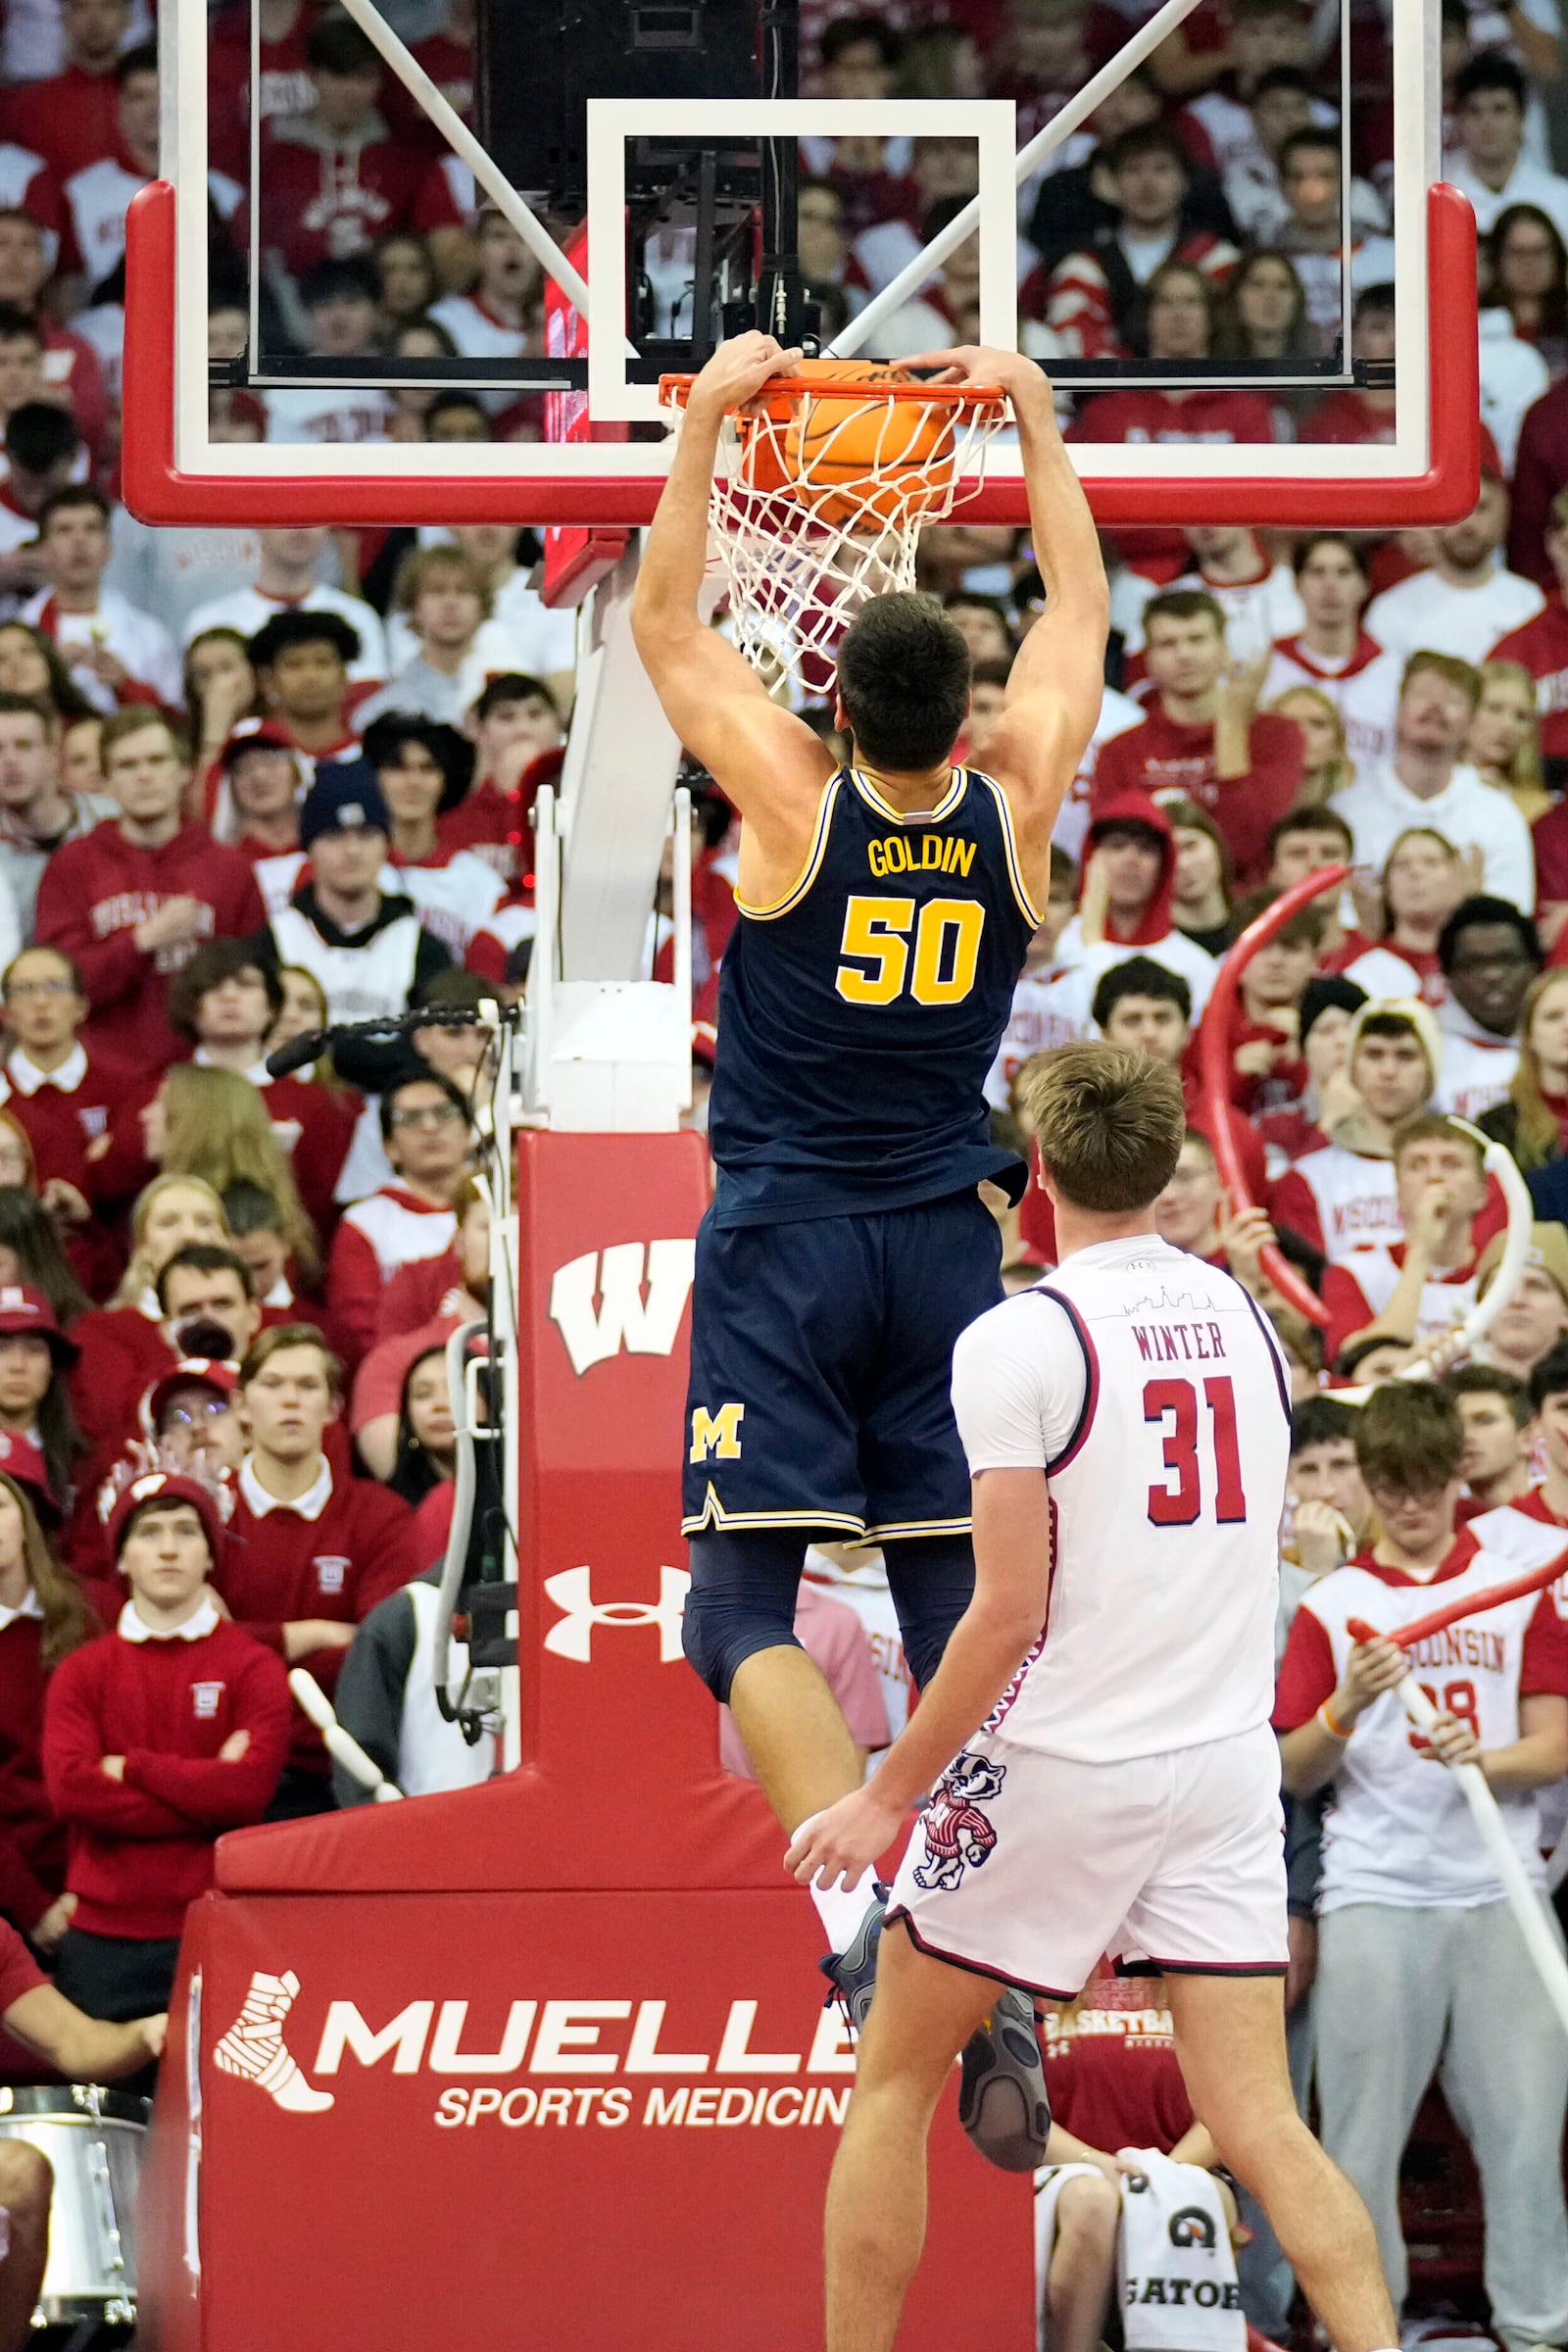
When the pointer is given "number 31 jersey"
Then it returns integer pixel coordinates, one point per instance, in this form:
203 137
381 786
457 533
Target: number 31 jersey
860 1015
1150 1390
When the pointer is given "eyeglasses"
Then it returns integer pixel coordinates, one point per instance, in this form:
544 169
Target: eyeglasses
429 1114
40 988
195 1416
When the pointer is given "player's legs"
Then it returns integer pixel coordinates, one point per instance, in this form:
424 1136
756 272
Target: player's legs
1230 2042
784 1319
739 1633
931 1579
1504 2073
27 2183
1381 2005
1080 2268
923 2014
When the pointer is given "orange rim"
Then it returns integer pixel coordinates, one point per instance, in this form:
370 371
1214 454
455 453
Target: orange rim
674 389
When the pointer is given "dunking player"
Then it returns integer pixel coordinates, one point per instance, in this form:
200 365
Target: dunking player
1130 1413
884 908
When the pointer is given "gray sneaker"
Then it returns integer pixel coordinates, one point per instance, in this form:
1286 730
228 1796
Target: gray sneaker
1002 2098
853 1974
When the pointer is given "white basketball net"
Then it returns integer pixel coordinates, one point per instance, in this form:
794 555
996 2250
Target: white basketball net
801 558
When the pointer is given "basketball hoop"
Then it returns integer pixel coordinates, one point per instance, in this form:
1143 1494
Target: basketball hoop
824 483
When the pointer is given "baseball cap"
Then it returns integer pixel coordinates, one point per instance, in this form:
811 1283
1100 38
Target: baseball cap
224 1377
21 1459
23 1310
345 797
253 735
165 1487
1547 1251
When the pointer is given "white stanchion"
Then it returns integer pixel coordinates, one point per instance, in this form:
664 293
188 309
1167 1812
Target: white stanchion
340 1745
1522 1901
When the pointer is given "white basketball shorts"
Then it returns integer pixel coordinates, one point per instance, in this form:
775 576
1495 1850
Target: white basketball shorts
1028 1868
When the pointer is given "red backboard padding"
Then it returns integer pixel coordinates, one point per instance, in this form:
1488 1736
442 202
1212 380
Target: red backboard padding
642 2164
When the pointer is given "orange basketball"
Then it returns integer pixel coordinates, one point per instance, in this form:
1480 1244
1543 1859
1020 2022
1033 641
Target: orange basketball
857 462
862 462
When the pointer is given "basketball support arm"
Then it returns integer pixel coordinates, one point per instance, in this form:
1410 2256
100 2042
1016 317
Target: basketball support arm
923 267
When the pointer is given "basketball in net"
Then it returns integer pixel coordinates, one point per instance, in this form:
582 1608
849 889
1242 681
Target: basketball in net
855 459
822 485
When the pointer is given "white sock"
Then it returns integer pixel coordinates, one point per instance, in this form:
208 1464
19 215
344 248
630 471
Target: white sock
841 1912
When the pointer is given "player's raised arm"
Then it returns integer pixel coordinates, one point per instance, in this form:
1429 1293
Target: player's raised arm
767 761
1054 692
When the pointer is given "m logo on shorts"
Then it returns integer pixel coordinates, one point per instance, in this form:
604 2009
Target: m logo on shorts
204 1700
717 1433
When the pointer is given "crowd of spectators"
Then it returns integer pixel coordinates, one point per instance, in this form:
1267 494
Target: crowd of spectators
256 781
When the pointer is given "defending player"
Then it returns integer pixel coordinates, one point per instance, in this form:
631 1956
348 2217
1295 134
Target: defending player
885 909
1123 1792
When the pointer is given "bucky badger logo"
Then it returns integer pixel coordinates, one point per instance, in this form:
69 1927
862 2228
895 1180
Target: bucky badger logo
957 1831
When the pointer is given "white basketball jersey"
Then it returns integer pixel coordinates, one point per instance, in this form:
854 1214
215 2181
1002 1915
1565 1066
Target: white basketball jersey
1399 1830
1148 1388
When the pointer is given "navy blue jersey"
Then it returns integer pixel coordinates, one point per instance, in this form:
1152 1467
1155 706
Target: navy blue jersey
860 1013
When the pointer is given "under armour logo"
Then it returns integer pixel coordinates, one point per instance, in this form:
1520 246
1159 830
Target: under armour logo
571 1591
625 1318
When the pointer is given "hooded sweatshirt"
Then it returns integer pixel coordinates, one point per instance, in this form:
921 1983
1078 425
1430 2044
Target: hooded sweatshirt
94 893
1153 934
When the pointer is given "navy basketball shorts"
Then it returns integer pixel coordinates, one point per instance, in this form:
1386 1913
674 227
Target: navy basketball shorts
822 1371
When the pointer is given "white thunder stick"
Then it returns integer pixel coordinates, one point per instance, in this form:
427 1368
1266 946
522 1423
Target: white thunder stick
340 1745
1526 1904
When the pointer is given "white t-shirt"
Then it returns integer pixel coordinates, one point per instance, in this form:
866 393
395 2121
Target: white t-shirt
480 335
1350 1194
329 413
99 197
1041 1017
1364 692
1257 611
1468 811
247 608
1117 713
134 638
1445 1299
1426 615
1148 1387
1399 1830
1084 967
1528 183
1477 1071
1383 973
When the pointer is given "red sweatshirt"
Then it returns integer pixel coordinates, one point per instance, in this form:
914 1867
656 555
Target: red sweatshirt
32 1844
1162 758
71 120
141 1849
95 893
66 1109
122 1351
1539 470
345 1545
416 1294
313 1128
1542 645
386 1231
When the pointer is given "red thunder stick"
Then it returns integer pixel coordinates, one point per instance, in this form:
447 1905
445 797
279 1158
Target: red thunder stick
1474 1604
1213 1051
